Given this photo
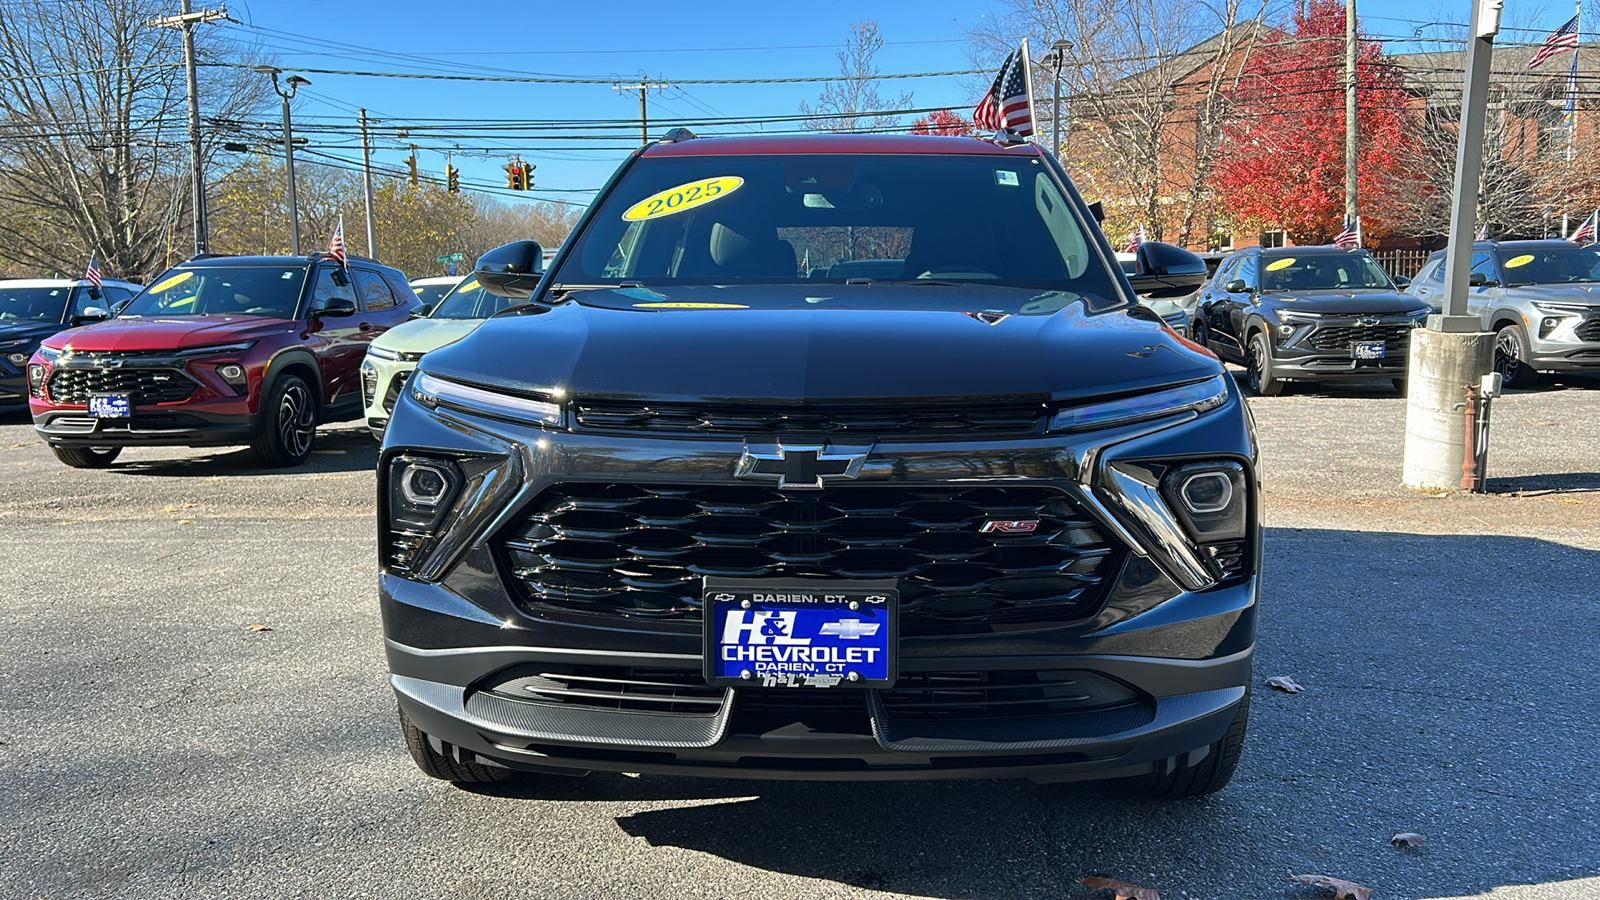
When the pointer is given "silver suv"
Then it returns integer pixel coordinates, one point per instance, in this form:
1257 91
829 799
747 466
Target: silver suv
1541 298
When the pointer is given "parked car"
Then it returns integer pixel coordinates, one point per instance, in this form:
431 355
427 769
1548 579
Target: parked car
431 290
1541 298
688 509
391 358
32 309
218 350
1308 314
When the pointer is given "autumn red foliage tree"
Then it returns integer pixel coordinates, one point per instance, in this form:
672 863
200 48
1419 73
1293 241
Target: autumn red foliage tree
1282 162
942 121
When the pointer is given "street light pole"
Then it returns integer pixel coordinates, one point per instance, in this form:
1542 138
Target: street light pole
294 82
1058 55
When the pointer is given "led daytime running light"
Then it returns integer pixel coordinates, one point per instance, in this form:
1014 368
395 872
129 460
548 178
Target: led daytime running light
433 391
1198 397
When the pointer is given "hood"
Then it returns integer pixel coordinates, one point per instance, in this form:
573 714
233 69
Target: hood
27 332
174 333
779 344
1588 294
424 335
1342 303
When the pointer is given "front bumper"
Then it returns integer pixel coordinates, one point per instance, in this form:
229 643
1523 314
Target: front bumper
156 426
381 382
459 631
1309 355
1563 348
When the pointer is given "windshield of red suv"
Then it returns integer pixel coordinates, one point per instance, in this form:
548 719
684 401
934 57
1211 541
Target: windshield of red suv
41 304
469 300
1550 265
222 291
772 219
1325 272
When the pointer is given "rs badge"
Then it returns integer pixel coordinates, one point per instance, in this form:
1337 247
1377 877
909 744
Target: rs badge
1009 526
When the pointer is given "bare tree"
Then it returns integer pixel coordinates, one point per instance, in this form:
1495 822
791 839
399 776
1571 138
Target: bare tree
1147 85
497 223
92 130
848 104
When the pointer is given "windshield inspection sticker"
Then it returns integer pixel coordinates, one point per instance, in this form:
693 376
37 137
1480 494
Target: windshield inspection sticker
1002 176
1284 263
1516 261
684 196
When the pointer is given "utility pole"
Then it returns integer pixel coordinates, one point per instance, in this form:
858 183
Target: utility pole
1450 358
295 82
1056 57
366 188
643 87
185 21
1350 127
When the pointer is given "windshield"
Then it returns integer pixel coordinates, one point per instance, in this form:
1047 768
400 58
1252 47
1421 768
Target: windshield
1550 265
37 304
468 300
1323 273
727 220
218 291
429 294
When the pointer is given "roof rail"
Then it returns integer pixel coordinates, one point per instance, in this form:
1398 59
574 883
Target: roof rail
678 136
206 255
325 254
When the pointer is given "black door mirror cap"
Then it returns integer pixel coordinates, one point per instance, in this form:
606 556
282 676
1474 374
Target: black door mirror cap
335 306
511 270
1236 286
1402 281
1163 271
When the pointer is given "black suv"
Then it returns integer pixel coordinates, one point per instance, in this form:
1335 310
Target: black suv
1308 314
714 501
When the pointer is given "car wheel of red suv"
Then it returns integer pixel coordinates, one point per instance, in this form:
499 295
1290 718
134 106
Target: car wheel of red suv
288 423
86 457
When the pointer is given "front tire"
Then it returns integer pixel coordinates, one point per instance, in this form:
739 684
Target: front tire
1259 368
1510 358
288 427
1199 331
1207 776
445 768
86 457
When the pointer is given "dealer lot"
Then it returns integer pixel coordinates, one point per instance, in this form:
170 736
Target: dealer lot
151 744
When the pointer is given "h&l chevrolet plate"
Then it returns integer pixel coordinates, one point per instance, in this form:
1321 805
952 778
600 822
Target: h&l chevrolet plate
801 634
110 406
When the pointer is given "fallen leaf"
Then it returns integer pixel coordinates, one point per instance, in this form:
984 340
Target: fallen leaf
1285 683
1406 839
1342 890
185 521
259 627
1122 889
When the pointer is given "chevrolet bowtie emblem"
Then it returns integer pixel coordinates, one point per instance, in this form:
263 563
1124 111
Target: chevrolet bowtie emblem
799 468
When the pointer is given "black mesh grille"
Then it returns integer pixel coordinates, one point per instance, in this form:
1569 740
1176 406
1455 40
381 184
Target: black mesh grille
1000 695
964 419
392 395
1589 330
1340 337
144 386
677 691
641 550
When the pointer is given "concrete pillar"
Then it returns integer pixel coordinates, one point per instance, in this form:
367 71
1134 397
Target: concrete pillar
1440 366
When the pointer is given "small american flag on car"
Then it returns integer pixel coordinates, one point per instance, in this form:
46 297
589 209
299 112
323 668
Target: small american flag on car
1560 41
1351 235
1134 240
1585 232
1007 106
336 246
92 274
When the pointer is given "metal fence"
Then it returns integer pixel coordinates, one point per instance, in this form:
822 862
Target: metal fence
1402 262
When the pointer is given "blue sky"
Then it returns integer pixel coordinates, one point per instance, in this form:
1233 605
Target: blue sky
605 39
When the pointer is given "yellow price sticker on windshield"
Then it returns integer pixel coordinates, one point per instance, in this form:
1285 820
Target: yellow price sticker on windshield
469 286
1522 260
685 196
175 280
1284 263
689 306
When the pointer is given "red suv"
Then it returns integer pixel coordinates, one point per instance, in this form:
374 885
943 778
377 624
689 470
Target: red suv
218 350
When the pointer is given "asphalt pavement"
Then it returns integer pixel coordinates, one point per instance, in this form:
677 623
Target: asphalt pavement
153 745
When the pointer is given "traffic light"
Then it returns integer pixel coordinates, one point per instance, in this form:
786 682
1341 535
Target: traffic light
452 179
514 175
412 162
527 176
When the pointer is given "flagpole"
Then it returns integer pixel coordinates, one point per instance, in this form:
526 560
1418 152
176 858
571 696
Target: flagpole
1027 79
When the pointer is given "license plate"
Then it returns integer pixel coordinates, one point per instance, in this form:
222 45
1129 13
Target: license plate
1367 350
110 406
801 634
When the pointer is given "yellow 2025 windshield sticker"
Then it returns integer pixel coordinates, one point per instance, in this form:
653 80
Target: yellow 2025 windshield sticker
689 306
469 286
1284 263
1522 260
175 280
685 196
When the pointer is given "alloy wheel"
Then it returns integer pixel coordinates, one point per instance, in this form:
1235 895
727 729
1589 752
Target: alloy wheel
1507 354
296 420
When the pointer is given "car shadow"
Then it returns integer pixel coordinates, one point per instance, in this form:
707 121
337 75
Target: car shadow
1446 679
338 449
1559 483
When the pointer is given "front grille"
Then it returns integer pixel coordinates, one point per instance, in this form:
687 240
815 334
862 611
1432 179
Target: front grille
636 688
972 418
144 386
934 696
1589 329
1340 337
642 550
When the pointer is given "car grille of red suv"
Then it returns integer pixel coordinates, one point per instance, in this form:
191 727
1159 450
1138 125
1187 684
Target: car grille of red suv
146 386
640 550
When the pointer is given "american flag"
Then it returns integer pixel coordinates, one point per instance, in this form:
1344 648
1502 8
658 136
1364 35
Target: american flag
92 274
1351 235
336 246
1007 106
1134 240
1585 231
1560 41
1483 234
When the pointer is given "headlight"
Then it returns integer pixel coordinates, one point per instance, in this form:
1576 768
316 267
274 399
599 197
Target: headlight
380 353
433 391
36 380
49 352
216 350
1198 397
1562 309
369 381
421 491
18 359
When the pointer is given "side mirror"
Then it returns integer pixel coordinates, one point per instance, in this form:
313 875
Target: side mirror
90 314
1236 286
512 270
1402 281
120 305
423 311
1164 271
1477 279
335 306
